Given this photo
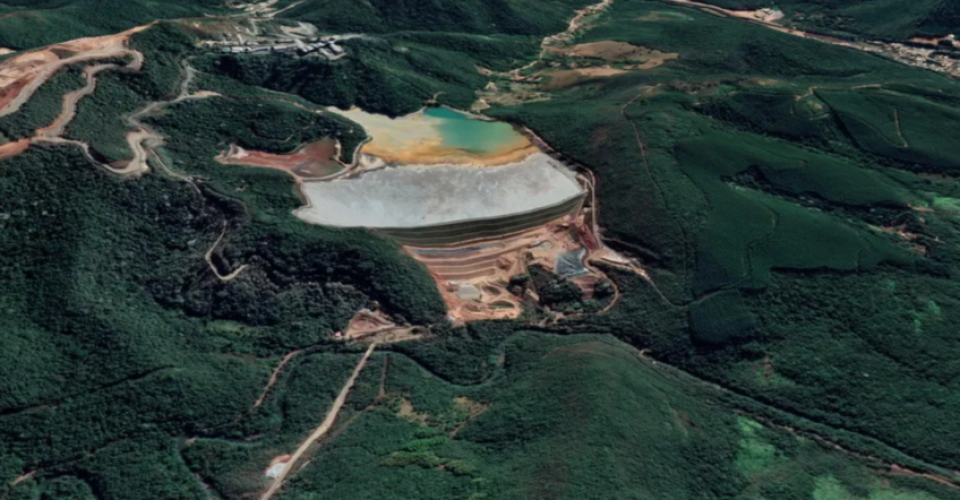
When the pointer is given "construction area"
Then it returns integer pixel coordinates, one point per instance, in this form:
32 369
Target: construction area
477 202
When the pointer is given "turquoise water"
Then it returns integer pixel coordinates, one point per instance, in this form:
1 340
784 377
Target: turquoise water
459 131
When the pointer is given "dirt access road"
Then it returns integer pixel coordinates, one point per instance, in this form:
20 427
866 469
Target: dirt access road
21 76
70 101
325 427
144 139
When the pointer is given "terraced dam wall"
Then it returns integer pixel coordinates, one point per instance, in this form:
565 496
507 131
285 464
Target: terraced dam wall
459 233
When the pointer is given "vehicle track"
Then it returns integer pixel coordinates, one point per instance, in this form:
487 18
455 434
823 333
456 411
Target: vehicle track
70 101
273 378
325 426
209 258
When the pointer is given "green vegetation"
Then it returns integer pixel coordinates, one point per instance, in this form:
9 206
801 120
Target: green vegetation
905 128
564 417
875 19
101 119
393 75
512 17
794 204
43 108
26 24
705 178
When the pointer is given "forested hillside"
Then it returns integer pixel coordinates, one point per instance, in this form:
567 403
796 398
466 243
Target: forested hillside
26 24
889 20
786 328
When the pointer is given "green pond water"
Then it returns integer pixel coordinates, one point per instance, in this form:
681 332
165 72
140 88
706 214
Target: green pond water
476 136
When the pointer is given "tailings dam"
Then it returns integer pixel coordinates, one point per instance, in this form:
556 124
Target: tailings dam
406 197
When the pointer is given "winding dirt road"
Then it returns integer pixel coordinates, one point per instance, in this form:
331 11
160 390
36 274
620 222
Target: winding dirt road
144 139
273 378
22 75
70 101
320 431
209 258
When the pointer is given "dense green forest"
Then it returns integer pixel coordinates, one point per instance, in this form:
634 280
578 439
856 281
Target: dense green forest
27 24
890 20
511 17
771 223
794 203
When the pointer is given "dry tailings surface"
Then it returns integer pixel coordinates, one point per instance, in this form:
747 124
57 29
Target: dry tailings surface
423 196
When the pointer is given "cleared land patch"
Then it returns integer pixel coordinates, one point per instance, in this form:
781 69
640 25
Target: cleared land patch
475 278
612 51
312 161
564 78
22 75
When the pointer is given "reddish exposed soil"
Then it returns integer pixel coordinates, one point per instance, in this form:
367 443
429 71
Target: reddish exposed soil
366 321
487 265
22 75
374 327
312 161
13 148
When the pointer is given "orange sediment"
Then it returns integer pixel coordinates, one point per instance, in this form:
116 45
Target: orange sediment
13 148
433 153
312 161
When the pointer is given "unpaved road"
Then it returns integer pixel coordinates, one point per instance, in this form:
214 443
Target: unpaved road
144 139
323 429
38 66
273 377
209 258
70 101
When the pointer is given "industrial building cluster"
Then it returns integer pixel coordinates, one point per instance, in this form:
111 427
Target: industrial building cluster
327 47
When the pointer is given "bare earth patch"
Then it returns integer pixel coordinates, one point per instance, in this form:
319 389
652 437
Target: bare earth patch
611 51
664 15
409 413
22 75
13 148
312 161
474 279
564 78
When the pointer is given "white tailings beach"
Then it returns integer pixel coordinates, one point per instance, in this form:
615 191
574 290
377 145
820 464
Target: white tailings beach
412 196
